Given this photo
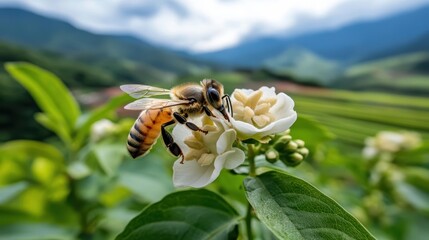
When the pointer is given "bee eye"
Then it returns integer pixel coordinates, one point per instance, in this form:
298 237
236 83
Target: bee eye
213 96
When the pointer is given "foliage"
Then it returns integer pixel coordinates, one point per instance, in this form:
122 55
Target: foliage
82 184
192 214
43 181
59 116
293 209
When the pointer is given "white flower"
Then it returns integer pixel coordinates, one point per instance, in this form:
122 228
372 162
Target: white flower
390 142
369 152
261 113
395 141
101 129
205 155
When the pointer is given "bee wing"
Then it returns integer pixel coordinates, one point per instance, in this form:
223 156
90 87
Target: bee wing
154 103
139 91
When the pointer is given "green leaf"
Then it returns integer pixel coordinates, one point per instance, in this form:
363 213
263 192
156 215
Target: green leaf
50 94
313 133
78 170
417 176
414 196
109 157
9 192
193 214
148 179
85 121
293 209
32 149
35 231
44 120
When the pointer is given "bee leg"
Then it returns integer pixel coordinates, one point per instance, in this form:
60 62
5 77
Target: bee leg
182 120
169 141
208 112
175 149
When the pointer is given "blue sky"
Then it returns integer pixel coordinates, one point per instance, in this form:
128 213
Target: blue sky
208 25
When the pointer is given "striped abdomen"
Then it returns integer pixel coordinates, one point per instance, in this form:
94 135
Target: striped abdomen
146 130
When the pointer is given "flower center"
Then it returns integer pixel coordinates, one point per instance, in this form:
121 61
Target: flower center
198 150
253 108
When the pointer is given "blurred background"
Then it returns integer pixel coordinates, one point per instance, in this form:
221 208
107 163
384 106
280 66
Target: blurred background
357 70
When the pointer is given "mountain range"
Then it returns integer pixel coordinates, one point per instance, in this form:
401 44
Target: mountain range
124 53
324 57
401 33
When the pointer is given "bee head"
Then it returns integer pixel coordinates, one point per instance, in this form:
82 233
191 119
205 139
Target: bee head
213 92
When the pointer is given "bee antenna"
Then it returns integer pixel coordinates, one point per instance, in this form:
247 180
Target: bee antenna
228 104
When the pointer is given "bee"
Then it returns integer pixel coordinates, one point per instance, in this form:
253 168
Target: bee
187 100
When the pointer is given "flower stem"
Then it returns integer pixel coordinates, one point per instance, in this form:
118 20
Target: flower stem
251 159
252 172
249 222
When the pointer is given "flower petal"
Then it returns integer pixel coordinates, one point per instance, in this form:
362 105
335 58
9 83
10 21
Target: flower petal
261 115
246 130
268 92
225 140
191 174
280 125
233 158
283 106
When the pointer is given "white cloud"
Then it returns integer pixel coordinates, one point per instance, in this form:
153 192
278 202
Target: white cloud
353 10
211 24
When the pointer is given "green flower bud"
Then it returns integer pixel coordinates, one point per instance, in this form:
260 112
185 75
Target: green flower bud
303 151
300 143
284 139
296 157
272 155
292 146
281 143
292 160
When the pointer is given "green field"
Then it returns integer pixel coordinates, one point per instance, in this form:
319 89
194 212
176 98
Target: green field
353 116
401 74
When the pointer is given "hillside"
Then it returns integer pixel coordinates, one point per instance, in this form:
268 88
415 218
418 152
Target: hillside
74 73
304 65
416 45
34 31
348 44
406 73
